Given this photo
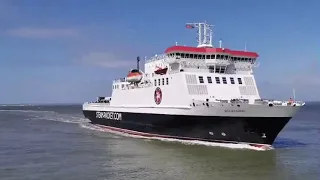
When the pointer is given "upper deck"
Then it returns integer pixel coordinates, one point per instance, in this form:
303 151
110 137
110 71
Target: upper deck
204 57
207 51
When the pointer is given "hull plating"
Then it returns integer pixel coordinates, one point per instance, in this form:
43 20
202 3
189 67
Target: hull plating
258 130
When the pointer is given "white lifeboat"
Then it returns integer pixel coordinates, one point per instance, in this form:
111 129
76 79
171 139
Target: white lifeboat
134 76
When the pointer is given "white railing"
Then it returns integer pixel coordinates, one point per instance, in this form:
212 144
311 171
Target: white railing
279 103
157 57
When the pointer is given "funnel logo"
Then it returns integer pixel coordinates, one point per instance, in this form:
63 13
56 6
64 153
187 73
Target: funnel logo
157 95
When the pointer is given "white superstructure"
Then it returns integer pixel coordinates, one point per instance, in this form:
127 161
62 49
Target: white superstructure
216 79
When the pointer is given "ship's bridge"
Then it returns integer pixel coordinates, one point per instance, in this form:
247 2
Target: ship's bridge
204 57
216 59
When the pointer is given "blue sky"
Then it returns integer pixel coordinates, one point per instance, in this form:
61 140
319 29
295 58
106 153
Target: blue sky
70 50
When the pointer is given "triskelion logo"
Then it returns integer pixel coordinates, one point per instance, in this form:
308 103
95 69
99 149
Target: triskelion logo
157 95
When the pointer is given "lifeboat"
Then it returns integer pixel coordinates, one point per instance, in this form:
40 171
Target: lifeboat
161 70
134 76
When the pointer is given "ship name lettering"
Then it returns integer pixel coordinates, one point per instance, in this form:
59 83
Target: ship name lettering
234 110
109 115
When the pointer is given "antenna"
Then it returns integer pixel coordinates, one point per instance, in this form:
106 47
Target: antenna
220 43
204 33
245 46
294 94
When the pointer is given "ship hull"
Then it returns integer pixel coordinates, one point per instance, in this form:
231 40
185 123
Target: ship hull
251 130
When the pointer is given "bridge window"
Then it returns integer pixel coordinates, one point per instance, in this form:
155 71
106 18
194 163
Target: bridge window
195 56
178 54
208 57
187 55
211 69
209 79
223 69
232 80
167 79
191 56
201 79
218 56
213 56
182 55
217 80
224 80
239 81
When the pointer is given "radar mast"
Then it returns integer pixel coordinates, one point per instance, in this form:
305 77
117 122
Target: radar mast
204 33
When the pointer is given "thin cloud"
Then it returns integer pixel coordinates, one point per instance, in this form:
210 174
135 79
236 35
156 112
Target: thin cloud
105 59
42 32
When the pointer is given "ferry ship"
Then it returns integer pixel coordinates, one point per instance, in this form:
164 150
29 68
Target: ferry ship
203 93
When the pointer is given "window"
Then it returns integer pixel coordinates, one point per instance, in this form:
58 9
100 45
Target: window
209 79
222 70
208 57
217 80
224 80
191 56
232 80
201 79
158 82
182 55
213 56
155 82
239 81
162 81
167 79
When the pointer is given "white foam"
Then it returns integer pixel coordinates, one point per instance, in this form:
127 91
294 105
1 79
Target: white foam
186 142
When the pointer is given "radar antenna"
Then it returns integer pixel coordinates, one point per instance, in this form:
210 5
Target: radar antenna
204 33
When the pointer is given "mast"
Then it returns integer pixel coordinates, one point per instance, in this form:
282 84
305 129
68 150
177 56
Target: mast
138 60
204 33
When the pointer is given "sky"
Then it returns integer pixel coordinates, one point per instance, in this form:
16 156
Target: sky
69 51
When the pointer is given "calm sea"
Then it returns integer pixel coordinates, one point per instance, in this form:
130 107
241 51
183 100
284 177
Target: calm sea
57 142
